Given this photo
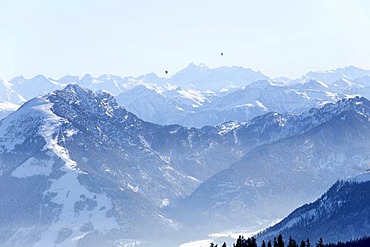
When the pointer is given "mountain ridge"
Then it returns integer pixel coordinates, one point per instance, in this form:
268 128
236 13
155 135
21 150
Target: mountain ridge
340 214
236 98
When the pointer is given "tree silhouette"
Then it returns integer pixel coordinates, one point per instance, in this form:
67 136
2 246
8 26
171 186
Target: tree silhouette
320 243
263 244
280 242
292 242
308 243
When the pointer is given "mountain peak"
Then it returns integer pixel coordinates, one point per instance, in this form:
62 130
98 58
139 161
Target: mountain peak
105 77
80 92
40 78
17 79
87 77
194 66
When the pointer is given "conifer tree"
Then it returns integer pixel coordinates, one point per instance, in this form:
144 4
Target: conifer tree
224 244
269 244
303 244
263 244
280 241
251 242
308 243
292 242
239 241
320 243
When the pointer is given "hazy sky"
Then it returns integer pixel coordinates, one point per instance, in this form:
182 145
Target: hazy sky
276 37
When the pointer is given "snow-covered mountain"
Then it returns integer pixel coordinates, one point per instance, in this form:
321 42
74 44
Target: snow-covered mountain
193 77
253 97
204 78
29 88
77 169
150 105
341 214
198 95
209 108
330 76
257 99
109 83
154 104
300 158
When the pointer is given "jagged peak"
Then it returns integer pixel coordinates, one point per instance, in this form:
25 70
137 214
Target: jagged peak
101 103
76 93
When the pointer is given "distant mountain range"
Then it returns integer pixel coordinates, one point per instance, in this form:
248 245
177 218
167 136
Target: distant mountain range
198 95
77 169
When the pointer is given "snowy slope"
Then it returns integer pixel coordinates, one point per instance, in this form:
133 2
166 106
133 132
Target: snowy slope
150 105
163 106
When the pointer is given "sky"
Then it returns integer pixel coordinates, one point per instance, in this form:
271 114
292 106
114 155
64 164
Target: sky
135 37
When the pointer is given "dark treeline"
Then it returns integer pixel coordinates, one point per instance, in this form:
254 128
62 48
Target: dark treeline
362 242
279 242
